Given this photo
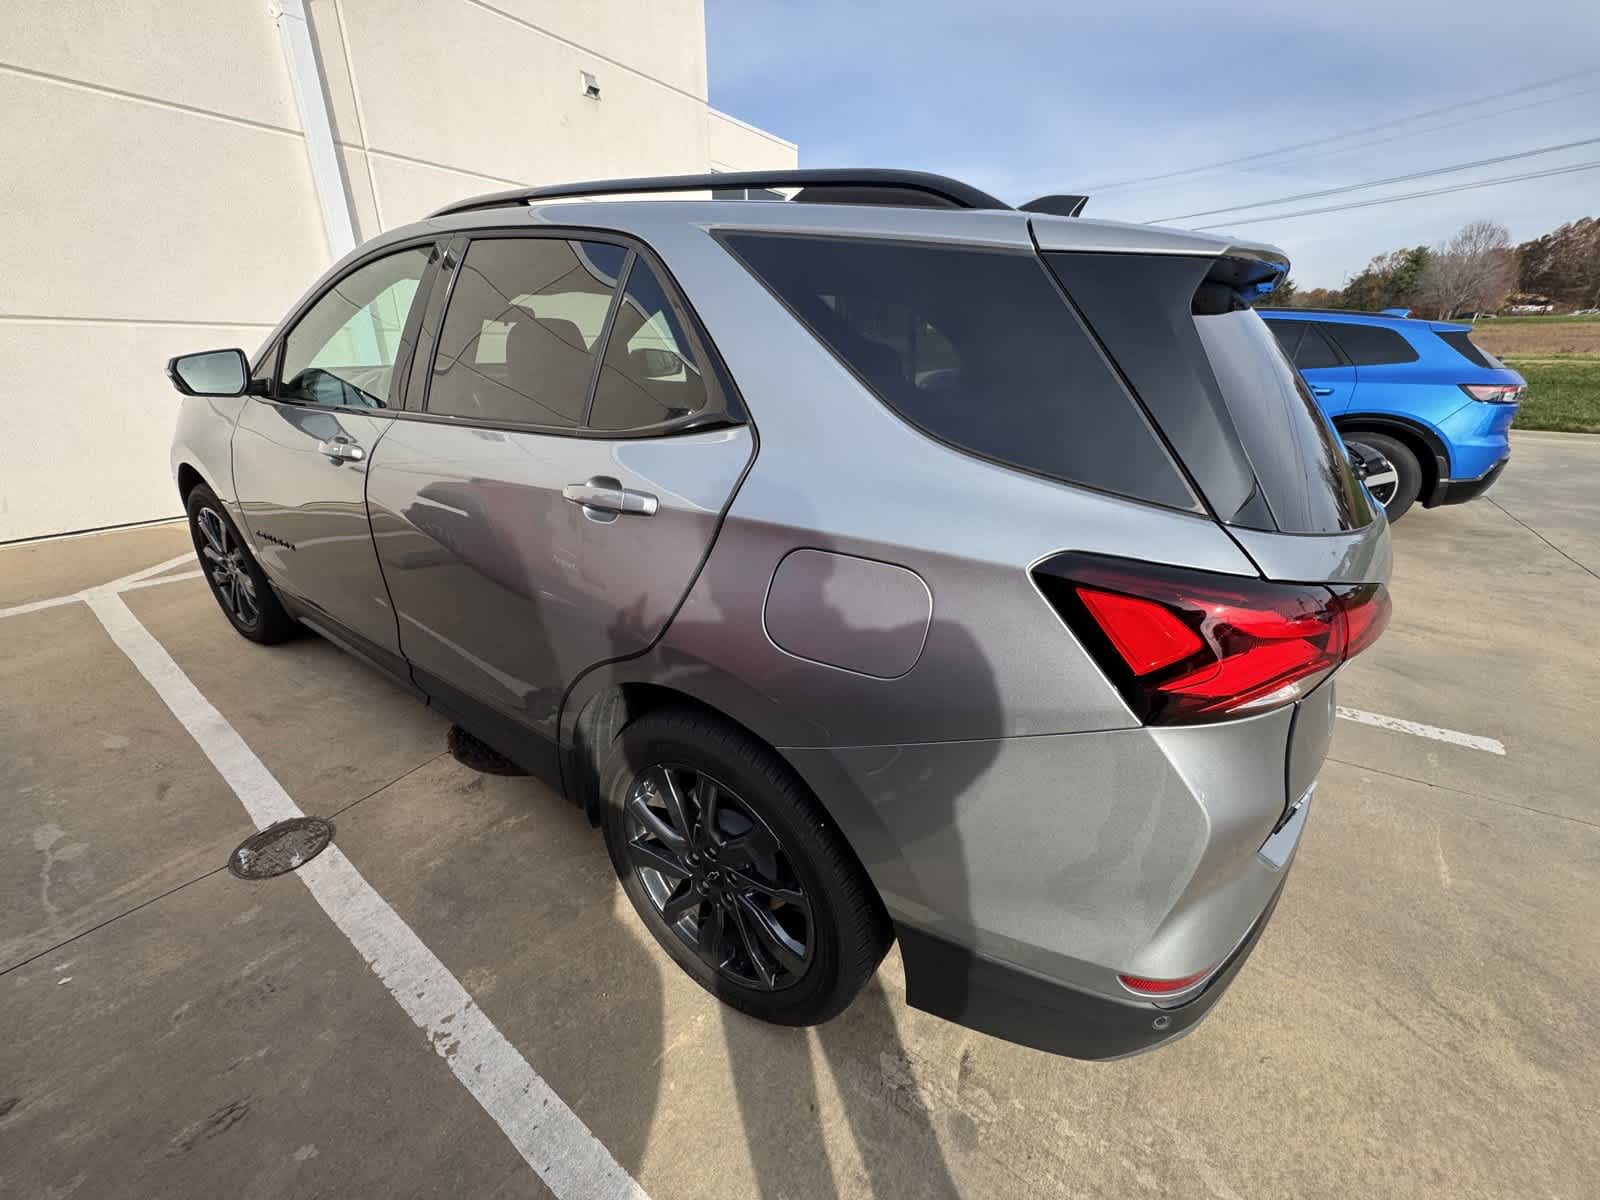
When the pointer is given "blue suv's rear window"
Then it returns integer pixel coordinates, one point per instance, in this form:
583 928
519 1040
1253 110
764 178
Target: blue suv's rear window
1370 345
976 347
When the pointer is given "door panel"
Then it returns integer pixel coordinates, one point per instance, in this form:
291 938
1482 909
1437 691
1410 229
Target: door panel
506 590
300 458
306 512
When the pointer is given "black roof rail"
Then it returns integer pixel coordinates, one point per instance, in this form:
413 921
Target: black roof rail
826 186
1339 312
1060 206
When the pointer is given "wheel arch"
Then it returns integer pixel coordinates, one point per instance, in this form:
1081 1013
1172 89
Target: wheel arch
189 478
1433 456
606 710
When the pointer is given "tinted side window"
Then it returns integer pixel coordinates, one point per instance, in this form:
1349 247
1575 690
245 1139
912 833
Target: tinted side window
519 338
652 372
1371 345
1315 352
978 349
342 352
1288 334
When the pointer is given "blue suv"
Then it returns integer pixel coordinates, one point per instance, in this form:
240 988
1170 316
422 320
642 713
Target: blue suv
1424 412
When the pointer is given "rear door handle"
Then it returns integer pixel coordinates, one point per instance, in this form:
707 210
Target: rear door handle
604 495
1321 391
341 450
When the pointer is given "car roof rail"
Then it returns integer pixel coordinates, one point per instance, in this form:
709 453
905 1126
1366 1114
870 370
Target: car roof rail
1056 205
817 186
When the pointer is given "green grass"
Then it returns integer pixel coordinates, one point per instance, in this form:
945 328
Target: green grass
1563 392
1534 319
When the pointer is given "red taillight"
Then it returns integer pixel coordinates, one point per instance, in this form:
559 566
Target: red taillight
1145 634
1161 987
1493 393
1188 646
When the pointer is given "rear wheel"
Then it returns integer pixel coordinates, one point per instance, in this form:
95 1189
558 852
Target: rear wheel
235 578
735 870
1394 477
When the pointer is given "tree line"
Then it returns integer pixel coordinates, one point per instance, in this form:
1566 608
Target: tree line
1478 270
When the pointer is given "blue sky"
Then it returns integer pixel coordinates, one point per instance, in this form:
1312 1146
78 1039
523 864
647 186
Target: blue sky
1024 98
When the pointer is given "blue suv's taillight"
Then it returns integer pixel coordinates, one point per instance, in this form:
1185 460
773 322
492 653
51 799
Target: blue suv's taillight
1493 393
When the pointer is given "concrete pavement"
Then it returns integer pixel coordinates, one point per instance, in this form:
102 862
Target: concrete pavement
1416 1021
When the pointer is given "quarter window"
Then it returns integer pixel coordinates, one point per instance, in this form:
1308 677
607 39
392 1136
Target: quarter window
520 336
977 348
342 352
1371 345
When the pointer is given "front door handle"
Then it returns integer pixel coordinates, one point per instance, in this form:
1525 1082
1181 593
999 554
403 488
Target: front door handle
1316 390
603 497
341 450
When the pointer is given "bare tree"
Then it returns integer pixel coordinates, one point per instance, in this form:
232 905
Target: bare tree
1474 270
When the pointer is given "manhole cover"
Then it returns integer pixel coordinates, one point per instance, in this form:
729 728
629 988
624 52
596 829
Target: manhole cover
480 756
281 847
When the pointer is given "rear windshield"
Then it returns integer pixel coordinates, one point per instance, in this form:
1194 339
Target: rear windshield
1298 460
1460 340
1217 383
977 348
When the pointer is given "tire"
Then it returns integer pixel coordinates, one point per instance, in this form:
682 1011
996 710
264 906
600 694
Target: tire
770 830
236 580
1408 472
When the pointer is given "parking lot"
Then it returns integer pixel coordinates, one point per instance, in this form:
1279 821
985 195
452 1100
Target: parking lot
458 1001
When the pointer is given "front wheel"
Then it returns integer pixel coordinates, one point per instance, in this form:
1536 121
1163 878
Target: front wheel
1393 475
235 578
735 870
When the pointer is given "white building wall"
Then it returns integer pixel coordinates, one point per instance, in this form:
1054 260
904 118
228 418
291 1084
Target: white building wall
158 197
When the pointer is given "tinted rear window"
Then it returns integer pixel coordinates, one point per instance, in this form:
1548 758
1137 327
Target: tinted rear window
976 348
1461 342
1314 353
1299 462
1371 345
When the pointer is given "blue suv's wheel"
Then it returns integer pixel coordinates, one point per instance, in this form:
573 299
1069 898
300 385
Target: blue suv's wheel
1393 475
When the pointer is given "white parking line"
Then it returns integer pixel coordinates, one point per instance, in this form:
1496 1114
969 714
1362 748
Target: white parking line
551 1138
1454 737
139 579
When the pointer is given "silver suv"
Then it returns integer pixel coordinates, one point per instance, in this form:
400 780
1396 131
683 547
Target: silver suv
878 563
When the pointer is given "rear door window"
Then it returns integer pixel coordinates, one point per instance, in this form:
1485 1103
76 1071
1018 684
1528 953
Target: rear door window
1370 345
1315 353
653 370
520 336
978 349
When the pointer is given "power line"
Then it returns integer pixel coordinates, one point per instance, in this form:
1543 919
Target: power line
1337 137
1372 183
1459 187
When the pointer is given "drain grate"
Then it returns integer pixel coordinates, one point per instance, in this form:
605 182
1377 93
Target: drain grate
280 847
480 756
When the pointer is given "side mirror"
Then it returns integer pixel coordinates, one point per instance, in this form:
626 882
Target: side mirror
210 373
652 363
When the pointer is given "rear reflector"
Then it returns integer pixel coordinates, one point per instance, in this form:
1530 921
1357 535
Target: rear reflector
1161 987
1185 647
1493 393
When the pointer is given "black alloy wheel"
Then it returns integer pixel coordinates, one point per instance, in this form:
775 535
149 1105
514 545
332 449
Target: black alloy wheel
719 878
224 561
232 573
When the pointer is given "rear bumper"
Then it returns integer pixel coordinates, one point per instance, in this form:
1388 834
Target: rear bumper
1007 1002
1459 491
